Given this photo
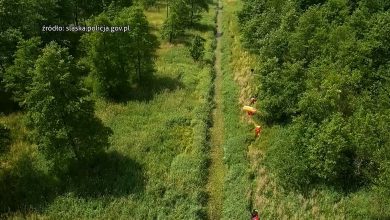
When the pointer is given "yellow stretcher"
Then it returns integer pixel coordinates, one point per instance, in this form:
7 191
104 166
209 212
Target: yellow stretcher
249 109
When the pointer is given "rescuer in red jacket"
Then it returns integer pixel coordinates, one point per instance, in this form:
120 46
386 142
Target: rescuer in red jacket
255 215
257 130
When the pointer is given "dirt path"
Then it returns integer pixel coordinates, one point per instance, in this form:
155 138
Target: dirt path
217 167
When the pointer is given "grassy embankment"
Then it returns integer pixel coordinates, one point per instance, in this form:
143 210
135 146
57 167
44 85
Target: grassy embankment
156 166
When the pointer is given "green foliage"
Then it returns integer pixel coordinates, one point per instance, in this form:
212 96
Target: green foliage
144 44
328 151
382 192
323 69
118 60
76 11
60 113
283 153
175 23
8 42
196 7
197 48
182 15
26 15
18 77
304 4
108 57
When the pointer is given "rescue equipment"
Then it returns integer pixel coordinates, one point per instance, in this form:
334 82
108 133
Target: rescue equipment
249 109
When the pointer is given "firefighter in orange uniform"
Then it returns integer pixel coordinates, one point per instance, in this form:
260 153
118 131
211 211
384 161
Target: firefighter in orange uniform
257 130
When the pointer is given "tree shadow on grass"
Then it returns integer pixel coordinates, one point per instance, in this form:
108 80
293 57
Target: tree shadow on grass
203 27
154 28
7 106
24 187
150 88
187 38
184 38
110 174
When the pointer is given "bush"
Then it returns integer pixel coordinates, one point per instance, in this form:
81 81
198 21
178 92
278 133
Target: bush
288 160
197 48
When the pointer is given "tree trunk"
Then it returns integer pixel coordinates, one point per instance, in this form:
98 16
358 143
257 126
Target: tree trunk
76 14
167 8
192 12
139 67
170 37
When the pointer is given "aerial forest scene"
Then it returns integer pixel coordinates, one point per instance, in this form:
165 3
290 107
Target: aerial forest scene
195 109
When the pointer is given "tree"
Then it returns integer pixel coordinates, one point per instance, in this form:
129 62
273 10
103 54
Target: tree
182 14
172 27
60 112
196 6
288 156
8 42
18 77
27 15
109 57
197 48
329 153
177 19
118 60
144 44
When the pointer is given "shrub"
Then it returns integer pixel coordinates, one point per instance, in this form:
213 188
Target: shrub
197 48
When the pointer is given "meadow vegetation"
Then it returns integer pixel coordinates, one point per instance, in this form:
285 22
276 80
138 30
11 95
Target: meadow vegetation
237 133
135 153
128 125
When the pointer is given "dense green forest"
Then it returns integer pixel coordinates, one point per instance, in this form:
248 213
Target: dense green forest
322 74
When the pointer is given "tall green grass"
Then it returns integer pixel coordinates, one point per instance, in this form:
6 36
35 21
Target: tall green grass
236 203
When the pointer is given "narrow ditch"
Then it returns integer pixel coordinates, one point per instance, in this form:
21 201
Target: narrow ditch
217 167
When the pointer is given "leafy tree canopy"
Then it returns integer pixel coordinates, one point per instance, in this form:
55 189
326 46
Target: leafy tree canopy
324 76
60 112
